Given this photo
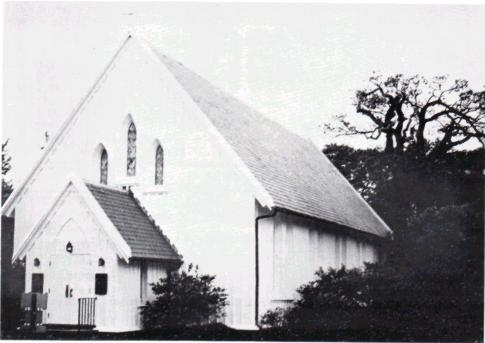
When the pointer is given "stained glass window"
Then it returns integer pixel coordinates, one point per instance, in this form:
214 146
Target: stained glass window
159 166
103 169
131 153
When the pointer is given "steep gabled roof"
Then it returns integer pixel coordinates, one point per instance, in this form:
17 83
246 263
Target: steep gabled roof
295 174
293 171
135 226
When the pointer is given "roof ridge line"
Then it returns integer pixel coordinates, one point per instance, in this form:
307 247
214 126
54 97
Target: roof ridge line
217 105
260 192
227 94
100 185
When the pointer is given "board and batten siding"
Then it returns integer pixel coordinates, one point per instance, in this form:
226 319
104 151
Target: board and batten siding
133 290
72 221
293 248
204 198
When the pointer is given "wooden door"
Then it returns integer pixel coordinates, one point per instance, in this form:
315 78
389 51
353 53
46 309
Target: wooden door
69 279
70 274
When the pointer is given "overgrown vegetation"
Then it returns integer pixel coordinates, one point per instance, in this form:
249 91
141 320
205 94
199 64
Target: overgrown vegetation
430 288
7 187
12 275
184 299
333 301
430 285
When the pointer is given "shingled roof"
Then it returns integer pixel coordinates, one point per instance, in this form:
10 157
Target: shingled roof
297 176
140 233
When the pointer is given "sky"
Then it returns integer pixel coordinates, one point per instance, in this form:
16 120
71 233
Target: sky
299 64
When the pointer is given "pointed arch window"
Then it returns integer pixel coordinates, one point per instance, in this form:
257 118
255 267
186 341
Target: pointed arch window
103 167
159 165
131 152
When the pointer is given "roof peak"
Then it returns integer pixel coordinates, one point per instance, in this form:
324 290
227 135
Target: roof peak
107 187
9 205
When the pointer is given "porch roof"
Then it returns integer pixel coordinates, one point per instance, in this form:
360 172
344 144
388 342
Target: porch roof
137 228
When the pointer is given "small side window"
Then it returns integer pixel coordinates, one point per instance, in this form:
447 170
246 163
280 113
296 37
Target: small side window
101 284
37 282
159 165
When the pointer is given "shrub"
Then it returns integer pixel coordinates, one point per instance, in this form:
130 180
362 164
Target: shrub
333 301
274 318
429 288
184 299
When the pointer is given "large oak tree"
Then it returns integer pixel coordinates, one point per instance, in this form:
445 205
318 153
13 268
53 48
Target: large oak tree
428 117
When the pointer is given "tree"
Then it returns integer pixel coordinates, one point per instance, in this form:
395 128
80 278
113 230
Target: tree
428 117
430 286
7 187
401 185
184 299
12 276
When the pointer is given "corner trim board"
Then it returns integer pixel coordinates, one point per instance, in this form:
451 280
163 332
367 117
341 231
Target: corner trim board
271 214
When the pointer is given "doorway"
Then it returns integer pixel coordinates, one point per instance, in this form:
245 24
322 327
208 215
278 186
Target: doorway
69 280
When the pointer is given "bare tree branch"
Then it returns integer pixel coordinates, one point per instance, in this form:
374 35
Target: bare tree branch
428 116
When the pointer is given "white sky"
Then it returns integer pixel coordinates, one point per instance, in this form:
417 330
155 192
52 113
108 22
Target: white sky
300 64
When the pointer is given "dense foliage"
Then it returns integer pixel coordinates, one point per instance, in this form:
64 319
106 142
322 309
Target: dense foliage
12 275
430 286
333 301
184 299
7 187
401 185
